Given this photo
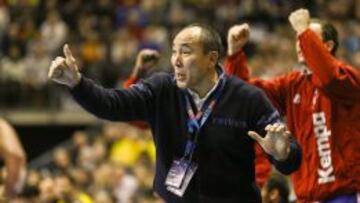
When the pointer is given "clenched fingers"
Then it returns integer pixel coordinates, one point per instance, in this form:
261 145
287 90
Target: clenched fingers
57 67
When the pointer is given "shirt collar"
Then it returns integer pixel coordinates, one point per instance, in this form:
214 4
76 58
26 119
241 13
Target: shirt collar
303 68
200 101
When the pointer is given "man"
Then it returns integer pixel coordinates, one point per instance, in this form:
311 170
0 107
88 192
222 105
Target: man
14 157
322 105
145 62
199 128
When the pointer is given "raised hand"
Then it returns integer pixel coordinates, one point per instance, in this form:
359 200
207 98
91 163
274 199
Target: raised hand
145 60
276 142
238 36
300 20
65 70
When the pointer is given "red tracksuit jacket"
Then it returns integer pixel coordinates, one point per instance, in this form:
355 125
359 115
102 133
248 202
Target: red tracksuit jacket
323 113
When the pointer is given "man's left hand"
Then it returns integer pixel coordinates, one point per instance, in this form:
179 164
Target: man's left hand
276 142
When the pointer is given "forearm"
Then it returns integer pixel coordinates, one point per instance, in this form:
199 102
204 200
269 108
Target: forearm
339 80
236 65
317 57
110 104
95 99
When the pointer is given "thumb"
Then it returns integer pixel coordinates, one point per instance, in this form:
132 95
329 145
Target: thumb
67 52
69 59
255 136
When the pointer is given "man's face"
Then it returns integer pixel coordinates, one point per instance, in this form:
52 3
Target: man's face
316 27
188 59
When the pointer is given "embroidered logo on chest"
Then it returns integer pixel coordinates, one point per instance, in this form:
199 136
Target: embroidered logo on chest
228 122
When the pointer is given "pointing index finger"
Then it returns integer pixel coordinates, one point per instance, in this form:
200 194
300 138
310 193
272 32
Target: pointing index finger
67 52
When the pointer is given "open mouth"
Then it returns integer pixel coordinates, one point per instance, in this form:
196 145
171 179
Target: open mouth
180 76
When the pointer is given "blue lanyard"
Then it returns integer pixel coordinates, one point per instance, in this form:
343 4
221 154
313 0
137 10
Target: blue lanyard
195 122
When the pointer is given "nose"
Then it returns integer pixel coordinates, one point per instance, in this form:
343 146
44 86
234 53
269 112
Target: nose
176 60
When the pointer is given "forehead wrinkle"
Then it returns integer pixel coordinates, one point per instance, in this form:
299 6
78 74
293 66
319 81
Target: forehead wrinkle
188 36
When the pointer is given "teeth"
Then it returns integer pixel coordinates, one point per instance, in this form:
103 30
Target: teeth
180 76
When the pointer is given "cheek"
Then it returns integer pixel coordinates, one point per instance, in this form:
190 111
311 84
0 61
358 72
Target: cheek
195 75
172 61
192 67
189 61
194 63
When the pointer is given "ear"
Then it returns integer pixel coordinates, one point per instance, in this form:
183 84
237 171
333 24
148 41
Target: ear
274 195
214 57
330 45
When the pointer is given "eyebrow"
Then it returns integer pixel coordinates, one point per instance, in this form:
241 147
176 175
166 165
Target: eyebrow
184 45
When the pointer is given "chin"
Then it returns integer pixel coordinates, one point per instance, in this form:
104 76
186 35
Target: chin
181 85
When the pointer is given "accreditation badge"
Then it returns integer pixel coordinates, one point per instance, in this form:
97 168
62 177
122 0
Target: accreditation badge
179 176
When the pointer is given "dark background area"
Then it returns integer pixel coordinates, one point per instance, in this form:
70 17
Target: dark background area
39 139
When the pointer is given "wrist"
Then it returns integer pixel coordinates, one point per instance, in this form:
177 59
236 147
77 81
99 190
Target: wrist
283 156
77 80
301 26
300 31
232 51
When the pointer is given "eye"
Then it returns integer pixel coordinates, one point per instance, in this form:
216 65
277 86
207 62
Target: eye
186 51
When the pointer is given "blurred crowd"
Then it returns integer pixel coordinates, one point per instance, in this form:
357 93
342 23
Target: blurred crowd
107 34
111 165
117 164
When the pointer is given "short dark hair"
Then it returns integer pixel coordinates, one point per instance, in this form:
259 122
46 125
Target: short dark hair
328 32
279 182
210 38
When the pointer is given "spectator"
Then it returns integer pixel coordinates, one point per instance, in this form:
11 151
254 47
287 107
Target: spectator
276 189
53 31
4 18
320 100
13 155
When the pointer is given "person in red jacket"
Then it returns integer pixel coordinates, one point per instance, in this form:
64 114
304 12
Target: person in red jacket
145 61
322 105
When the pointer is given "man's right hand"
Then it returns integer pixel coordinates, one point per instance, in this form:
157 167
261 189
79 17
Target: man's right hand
65 70
145 60
238 36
